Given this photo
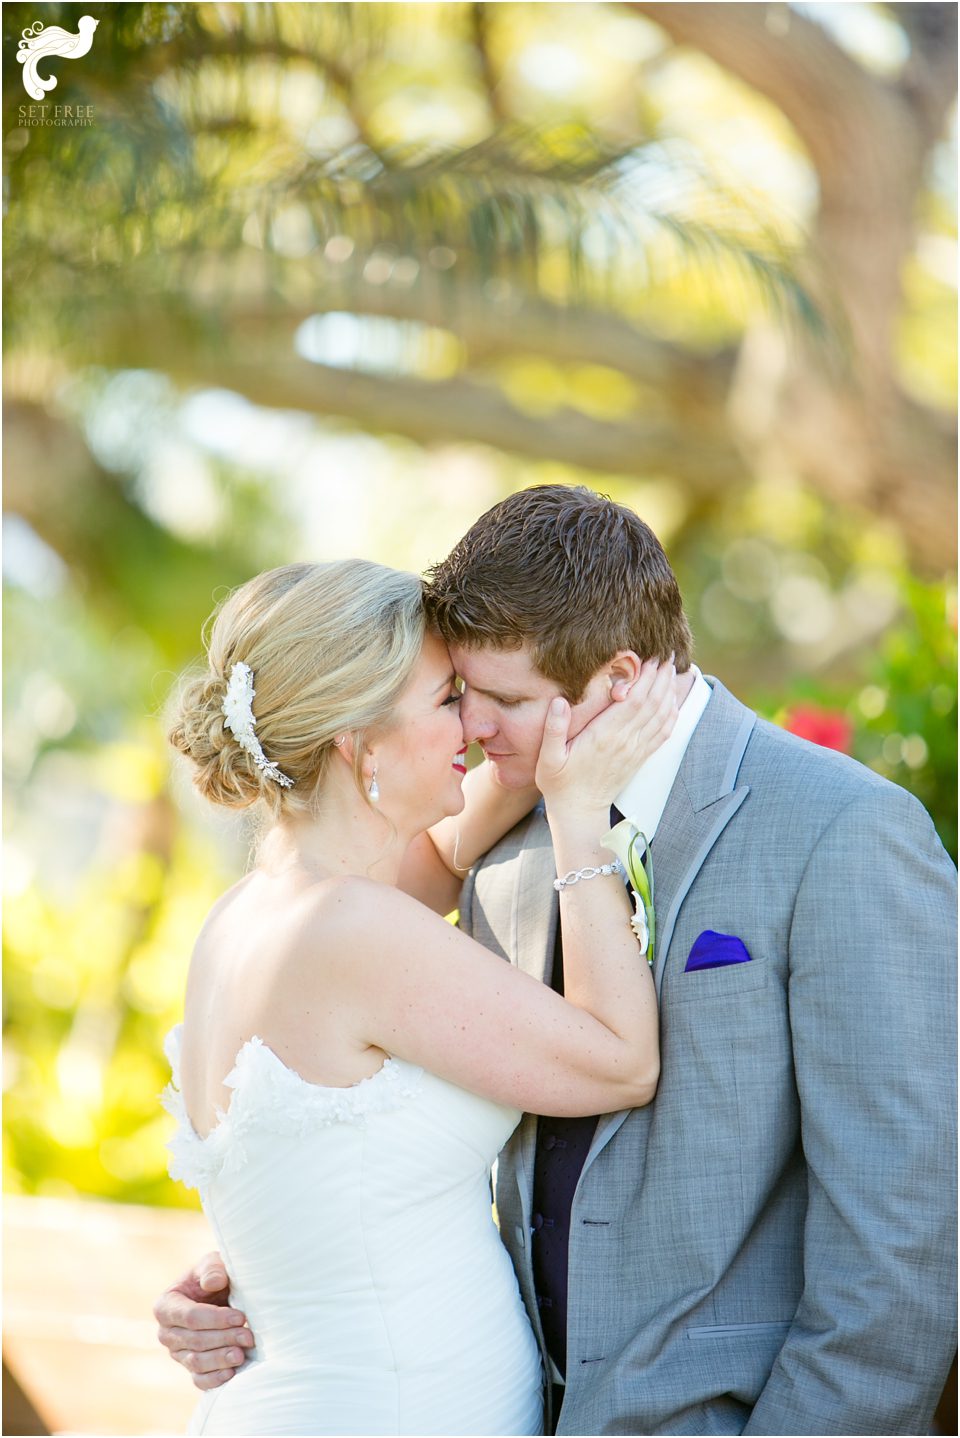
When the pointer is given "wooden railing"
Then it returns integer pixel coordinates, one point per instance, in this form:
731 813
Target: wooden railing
79 1345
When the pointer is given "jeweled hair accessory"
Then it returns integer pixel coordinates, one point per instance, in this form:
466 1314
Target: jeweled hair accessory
237 709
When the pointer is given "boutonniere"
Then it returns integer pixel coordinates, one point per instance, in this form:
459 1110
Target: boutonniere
629 845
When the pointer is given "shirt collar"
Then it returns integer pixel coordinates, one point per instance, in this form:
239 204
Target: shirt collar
643 799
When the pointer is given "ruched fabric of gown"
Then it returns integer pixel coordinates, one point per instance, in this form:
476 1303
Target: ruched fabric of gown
356 1228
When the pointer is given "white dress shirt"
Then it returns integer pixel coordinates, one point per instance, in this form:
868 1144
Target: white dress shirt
643 799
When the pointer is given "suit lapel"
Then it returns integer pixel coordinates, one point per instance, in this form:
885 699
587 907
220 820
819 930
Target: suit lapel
683 856
536 904
704 798
536 916
702 802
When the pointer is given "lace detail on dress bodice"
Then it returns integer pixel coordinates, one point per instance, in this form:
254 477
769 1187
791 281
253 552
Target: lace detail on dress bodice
267 1095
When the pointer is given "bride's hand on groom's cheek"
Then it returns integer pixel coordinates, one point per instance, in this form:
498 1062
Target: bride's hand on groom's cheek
198 1326
607 752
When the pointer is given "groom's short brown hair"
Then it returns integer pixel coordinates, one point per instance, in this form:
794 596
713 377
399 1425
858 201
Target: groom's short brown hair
570 574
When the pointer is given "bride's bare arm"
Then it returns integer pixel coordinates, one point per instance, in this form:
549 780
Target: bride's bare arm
421 990
414 986
437 862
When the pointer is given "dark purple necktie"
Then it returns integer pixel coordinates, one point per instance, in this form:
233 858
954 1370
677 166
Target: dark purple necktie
562 1148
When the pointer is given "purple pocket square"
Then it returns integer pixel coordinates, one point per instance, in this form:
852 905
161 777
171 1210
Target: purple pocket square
713 951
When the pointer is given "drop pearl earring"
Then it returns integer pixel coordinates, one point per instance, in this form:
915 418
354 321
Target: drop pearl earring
374 790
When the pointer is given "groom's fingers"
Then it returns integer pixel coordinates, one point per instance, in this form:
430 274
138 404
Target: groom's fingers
203 1334
206 1279
199 1340
208 1368
206 1381
221 1360
175 1309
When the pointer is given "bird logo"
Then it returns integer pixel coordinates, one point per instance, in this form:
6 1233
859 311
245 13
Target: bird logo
43 42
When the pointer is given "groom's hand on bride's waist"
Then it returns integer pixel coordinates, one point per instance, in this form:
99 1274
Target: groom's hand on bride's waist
200 1328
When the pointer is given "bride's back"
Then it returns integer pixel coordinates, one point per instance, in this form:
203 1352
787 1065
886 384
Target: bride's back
356 1224
258 956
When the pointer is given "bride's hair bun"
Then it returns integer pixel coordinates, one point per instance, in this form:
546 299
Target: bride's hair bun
331 647
223 772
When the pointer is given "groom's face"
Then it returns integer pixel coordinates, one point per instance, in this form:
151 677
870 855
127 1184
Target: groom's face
504 708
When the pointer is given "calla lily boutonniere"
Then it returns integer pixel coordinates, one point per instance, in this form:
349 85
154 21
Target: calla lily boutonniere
629 844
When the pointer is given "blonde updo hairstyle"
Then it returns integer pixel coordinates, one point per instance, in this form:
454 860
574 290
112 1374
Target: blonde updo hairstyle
331 646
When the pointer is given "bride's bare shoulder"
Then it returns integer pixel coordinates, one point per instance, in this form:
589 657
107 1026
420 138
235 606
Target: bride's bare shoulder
311 927
350 897
354 912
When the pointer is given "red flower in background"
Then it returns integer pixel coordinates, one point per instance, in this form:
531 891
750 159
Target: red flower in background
828 727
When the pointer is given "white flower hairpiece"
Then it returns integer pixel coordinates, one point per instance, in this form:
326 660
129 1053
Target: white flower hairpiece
237 709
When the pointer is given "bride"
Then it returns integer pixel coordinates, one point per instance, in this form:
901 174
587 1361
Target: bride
349 1063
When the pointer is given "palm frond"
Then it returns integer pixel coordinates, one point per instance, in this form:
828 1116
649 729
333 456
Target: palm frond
175 190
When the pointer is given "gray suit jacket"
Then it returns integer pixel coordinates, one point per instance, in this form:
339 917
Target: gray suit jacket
769 1247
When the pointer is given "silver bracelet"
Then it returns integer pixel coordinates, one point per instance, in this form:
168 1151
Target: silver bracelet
575 875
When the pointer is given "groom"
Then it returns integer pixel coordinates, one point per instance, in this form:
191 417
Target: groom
769 1247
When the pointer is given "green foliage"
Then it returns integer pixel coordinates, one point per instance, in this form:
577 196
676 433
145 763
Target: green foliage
906 716
92 984
902 714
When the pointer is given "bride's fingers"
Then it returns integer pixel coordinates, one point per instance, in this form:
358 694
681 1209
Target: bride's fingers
553 746
660 715
664 709
614 743
662 683
657 732
662 700
641 687
651 696
654 679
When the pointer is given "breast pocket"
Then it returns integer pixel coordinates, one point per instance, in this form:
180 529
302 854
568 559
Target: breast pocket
715 985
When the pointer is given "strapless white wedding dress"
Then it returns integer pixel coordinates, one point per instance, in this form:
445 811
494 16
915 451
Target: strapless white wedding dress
357 1231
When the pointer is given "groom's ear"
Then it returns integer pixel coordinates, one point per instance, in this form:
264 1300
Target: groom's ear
622 672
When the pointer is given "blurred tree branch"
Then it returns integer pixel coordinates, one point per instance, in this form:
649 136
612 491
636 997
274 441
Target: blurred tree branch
159 268
490 329
81 510
451 411
870 140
